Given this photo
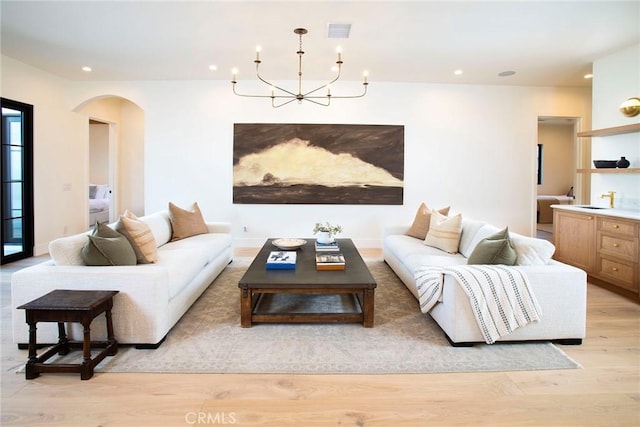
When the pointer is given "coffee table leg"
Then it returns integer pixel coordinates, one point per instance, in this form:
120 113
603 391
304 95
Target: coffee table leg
245 308
368 307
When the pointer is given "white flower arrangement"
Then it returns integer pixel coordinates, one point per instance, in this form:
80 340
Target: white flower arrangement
327 228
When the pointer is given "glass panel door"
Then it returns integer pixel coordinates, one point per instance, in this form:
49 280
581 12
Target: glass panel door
17 181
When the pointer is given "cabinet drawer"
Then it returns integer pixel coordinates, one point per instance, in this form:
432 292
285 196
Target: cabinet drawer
618 272
618 246
616 226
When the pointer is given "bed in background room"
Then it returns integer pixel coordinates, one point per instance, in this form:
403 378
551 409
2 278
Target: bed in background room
545 213
99 195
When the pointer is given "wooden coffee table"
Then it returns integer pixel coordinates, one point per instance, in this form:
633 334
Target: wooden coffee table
355 281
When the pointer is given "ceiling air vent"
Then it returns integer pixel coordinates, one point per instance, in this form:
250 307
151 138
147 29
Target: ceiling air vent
338 31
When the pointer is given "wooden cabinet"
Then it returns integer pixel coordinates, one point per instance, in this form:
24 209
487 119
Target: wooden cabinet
606 247
574 238
617 252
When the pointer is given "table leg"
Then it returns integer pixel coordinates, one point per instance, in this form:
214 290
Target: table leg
63 341
86 369
33 355
111 341
368 298
245 308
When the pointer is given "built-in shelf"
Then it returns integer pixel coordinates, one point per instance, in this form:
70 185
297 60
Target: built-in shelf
617 130
611 170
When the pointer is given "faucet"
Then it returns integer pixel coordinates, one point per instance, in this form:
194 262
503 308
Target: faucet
610 195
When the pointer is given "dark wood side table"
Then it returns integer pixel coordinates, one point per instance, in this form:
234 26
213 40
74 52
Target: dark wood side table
69 306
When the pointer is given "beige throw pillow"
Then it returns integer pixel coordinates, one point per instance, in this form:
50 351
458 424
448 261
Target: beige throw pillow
140 236
444 232
420 226
186 223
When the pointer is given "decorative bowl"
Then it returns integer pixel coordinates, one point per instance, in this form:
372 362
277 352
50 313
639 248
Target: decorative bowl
604 164
289 244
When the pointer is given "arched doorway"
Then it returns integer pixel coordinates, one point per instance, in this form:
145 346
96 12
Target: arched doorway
115 164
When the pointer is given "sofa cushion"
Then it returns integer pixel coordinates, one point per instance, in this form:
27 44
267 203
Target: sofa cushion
444 232
107 247
160 226
469 229
68 250
496 249
185 259
414 254
186 223
420 226
139 236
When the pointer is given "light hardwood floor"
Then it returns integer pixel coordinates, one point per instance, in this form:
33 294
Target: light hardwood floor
606 392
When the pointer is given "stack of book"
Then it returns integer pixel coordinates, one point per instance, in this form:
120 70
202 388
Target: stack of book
281 260
327 247
329 261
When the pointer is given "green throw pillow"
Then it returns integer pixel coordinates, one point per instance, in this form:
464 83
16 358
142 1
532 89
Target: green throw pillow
107 247
496 249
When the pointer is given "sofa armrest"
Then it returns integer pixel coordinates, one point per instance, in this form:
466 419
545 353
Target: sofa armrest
219 227
143 297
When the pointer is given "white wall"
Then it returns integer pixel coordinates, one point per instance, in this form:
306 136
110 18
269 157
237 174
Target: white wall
98 153
471 147
616 78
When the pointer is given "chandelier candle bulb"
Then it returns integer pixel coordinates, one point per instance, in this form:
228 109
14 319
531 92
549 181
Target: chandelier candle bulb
258 49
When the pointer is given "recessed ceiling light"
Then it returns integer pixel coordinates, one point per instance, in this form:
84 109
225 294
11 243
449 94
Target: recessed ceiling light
213 67
506 73
458 72
588 76
86 68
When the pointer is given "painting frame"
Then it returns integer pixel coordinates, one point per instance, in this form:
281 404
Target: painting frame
354 164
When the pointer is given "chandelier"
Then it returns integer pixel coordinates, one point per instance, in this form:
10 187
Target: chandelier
280 96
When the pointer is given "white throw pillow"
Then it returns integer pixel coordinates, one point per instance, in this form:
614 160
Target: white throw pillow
532 251
444 232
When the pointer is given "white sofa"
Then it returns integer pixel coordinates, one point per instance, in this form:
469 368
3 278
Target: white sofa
152 297
560 289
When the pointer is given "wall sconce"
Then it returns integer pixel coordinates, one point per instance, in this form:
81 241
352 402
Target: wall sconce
630 107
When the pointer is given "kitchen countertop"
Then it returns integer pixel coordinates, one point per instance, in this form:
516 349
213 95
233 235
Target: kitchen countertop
618 213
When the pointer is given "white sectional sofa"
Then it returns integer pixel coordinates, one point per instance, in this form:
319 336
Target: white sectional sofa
152 297
560 289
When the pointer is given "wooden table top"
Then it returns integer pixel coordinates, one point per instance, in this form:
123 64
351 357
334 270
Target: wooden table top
355 274
63 299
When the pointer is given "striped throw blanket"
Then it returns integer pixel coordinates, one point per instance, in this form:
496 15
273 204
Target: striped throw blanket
500 296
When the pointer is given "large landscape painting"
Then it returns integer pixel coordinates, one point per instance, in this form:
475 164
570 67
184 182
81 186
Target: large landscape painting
318 164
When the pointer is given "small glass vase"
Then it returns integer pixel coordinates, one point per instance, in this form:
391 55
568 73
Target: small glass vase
324 237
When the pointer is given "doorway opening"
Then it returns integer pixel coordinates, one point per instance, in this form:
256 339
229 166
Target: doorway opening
17 181
556 176
100 172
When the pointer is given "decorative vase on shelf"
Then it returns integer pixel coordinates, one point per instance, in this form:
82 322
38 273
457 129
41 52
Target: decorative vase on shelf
622 163
324 237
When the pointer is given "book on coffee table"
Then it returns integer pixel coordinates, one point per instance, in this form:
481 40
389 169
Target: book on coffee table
330 261
327 247
281 260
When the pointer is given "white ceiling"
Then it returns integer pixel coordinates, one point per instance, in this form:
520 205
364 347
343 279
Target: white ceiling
547 43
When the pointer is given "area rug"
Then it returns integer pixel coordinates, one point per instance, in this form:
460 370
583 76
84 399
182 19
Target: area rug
209 339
